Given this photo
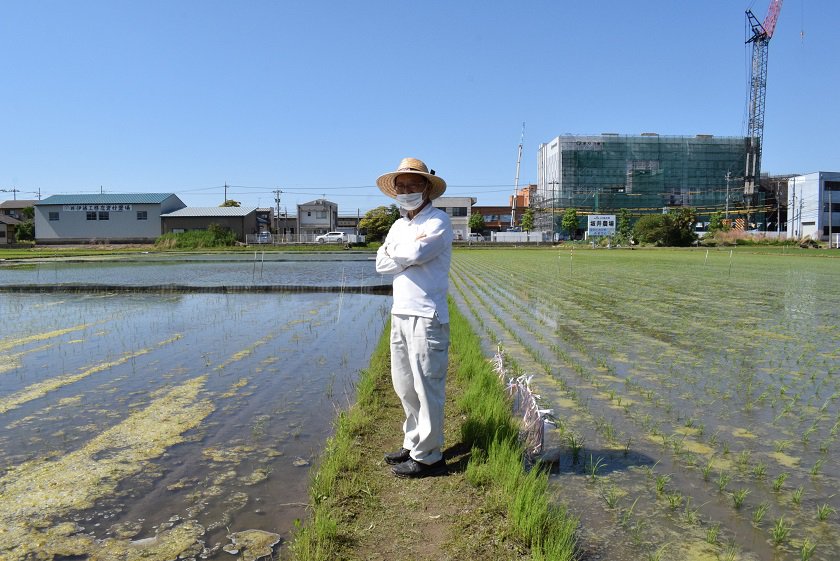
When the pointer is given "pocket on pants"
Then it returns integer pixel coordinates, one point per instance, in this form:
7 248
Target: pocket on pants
432 339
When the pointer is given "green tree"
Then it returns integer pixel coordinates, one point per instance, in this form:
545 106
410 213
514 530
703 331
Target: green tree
717 223
569 223
28 213
651 228
528 220
378 221
682 221
676 228
476 223
231 202
623 227
25 231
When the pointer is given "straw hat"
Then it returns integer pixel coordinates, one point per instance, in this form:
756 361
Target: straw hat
414 167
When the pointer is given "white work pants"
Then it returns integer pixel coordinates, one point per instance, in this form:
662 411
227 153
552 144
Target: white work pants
419 359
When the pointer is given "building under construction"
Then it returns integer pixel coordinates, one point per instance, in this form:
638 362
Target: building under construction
644 174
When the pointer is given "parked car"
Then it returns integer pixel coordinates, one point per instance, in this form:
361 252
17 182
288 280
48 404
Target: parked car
264 237
332 237
475 237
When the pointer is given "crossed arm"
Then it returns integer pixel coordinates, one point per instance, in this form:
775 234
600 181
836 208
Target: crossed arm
394 256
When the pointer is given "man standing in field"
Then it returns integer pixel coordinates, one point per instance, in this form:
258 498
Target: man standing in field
417 251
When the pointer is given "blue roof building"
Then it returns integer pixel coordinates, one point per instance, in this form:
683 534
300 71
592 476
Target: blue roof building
106 218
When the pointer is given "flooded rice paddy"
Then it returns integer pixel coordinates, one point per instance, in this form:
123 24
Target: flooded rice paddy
153 426
696 395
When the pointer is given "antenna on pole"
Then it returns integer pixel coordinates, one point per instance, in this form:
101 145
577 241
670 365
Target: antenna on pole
516 179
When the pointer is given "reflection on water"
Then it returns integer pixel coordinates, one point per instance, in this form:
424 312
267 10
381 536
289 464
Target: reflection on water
258 269
191 416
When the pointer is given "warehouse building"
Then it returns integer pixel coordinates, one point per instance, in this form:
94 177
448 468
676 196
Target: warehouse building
644 174
105 218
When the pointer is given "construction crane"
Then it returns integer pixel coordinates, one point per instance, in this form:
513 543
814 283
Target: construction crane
759 34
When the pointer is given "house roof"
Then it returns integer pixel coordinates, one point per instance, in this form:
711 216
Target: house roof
18 203
9 220
106 199
319 202
209 211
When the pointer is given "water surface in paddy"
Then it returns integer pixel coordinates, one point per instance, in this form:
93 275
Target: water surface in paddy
260 269
186 417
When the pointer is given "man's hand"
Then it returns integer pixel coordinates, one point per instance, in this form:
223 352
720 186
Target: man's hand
420 236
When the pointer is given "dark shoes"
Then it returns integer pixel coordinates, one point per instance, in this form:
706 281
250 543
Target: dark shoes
411 468
398 457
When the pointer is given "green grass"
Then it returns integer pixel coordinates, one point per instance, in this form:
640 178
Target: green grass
495 469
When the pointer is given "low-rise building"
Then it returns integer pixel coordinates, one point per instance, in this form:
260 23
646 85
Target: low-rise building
814 206
496 218
110 218
8 227
240 220
15 208
459 210
316 217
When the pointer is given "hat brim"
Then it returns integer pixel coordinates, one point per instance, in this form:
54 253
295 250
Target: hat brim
386 183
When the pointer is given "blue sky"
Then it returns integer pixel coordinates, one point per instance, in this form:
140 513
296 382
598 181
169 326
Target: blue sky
319 98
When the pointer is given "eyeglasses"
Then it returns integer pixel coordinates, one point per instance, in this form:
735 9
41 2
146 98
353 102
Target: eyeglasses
410 186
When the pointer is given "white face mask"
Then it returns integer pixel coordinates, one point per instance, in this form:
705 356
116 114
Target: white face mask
410 201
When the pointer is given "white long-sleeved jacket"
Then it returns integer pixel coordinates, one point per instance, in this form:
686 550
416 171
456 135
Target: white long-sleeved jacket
417 252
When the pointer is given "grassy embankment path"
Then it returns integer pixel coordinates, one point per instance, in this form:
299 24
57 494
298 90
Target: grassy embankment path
488 507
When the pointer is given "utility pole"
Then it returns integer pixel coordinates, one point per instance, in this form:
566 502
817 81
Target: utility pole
727 197
516 179
14 191
792 212
778 211
277 193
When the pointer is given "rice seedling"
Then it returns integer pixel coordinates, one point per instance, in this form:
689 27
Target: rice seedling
739 496
661 482
675 500
824 511
723 480
594 466
575 443
781 445
627 514
796 497
780 480
610 495
707 470
690 516
807 550
780 531
712 533
730 553
759 512
626 447
760 470
817 467
658 554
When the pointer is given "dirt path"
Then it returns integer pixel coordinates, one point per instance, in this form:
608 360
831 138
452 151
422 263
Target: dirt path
430 519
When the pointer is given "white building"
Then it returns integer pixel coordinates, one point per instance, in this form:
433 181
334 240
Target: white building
459 210
316 217
814 206
112 218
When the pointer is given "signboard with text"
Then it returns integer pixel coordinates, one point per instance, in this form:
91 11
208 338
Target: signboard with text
601 225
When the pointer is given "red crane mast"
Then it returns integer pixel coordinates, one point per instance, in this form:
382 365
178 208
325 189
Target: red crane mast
759 35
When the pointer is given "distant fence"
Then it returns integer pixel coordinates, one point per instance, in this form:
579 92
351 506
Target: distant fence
278 239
